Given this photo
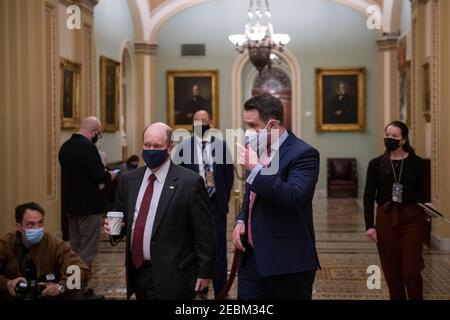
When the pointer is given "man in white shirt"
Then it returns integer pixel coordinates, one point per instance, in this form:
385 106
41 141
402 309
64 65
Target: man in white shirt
170 239
210 157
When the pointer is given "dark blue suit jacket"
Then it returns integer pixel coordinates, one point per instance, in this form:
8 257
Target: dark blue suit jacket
282 215
223 172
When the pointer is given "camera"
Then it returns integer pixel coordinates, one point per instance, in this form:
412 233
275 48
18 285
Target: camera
31 289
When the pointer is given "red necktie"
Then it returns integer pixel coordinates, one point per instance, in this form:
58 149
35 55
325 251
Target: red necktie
249 221
137 248
265 163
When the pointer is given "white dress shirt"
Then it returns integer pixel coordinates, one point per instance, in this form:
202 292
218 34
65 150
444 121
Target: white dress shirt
161 175
274 149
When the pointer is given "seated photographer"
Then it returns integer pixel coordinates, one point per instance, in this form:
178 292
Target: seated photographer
35 264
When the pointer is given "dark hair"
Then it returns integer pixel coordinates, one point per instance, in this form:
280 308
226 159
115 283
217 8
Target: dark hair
385 163
268 106
133 158
22 208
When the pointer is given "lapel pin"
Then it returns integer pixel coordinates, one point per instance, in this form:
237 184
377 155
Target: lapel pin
172 187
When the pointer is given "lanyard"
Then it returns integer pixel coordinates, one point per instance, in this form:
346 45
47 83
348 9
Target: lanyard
395 175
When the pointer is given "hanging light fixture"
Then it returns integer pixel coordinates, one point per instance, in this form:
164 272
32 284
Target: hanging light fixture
259 37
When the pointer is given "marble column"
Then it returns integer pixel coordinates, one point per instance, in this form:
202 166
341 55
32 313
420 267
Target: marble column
145 53
388 85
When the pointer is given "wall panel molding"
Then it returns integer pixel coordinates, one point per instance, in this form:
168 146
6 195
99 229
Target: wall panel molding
52 100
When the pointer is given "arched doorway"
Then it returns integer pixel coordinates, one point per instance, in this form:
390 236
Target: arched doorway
277 83
287 70
127 103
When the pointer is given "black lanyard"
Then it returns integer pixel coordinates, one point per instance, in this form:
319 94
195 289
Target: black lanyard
395 174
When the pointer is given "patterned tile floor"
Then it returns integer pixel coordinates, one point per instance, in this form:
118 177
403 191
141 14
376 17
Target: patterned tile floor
344 253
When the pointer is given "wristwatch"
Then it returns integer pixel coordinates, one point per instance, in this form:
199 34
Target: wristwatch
61 289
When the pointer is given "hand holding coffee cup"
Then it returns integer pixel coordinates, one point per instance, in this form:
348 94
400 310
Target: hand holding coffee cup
114 223
113 226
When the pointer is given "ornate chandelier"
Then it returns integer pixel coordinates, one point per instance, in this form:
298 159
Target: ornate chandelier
259 37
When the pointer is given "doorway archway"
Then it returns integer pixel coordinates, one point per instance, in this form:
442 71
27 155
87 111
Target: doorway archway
277 82
291 68
127 104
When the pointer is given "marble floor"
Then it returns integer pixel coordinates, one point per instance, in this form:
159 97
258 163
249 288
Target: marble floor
344 253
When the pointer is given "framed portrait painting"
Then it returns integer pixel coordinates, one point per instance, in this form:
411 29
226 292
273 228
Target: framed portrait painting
340 99
190 91
109 94
70 93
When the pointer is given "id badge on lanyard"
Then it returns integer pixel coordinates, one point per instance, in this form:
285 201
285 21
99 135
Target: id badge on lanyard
397 192
397 187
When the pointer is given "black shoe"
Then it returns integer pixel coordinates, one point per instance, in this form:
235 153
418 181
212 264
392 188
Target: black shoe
89 295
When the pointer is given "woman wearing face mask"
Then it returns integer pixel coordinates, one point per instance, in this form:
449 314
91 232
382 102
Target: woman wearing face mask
395 181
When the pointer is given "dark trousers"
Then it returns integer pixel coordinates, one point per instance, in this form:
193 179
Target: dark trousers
84 234
220 224
253 286
401 234
143 284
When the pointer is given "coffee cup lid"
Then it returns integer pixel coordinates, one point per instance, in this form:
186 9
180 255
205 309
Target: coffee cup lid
115 214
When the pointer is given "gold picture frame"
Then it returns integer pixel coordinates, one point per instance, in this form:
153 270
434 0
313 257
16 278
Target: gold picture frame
426 87
189 91
340 99
109 94
70 93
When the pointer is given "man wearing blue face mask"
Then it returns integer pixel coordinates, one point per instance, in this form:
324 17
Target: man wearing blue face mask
170 251
275 226
31 254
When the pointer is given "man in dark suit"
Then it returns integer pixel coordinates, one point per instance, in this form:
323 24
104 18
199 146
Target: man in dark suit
170 251
85 177
275 227
208 157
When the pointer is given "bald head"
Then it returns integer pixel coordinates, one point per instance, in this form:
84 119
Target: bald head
202 116
157 136
91 128
90 123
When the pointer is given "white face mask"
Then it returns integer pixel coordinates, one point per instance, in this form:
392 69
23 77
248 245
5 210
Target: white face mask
257 140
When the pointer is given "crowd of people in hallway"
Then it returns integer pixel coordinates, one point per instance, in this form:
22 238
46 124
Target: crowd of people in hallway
174 215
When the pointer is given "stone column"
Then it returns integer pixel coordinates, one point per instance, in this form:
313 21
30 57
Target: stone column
29 113
440 120
418 121
388 85
145 53
85 52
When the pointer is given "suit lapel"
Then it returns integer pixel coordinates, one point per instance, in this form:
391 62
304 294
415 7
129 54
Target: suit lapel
134 192
285 146
169 188
282 151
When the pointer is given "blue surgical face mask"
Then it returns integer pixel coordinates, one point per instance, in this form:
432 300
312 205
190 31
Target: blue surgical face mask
257 140
154 158
34 236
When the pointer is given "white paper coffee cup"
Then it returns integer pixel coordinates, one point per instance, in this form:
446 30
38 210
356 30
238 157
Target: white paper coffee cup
115 219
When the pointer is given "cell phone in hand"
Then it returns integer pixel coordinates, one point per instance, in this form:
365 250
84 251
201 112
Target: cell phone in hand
116 171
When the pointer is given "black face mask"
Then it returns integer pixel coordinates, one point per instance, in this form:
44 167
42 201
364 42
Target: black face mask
204 129
95 139
391 144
